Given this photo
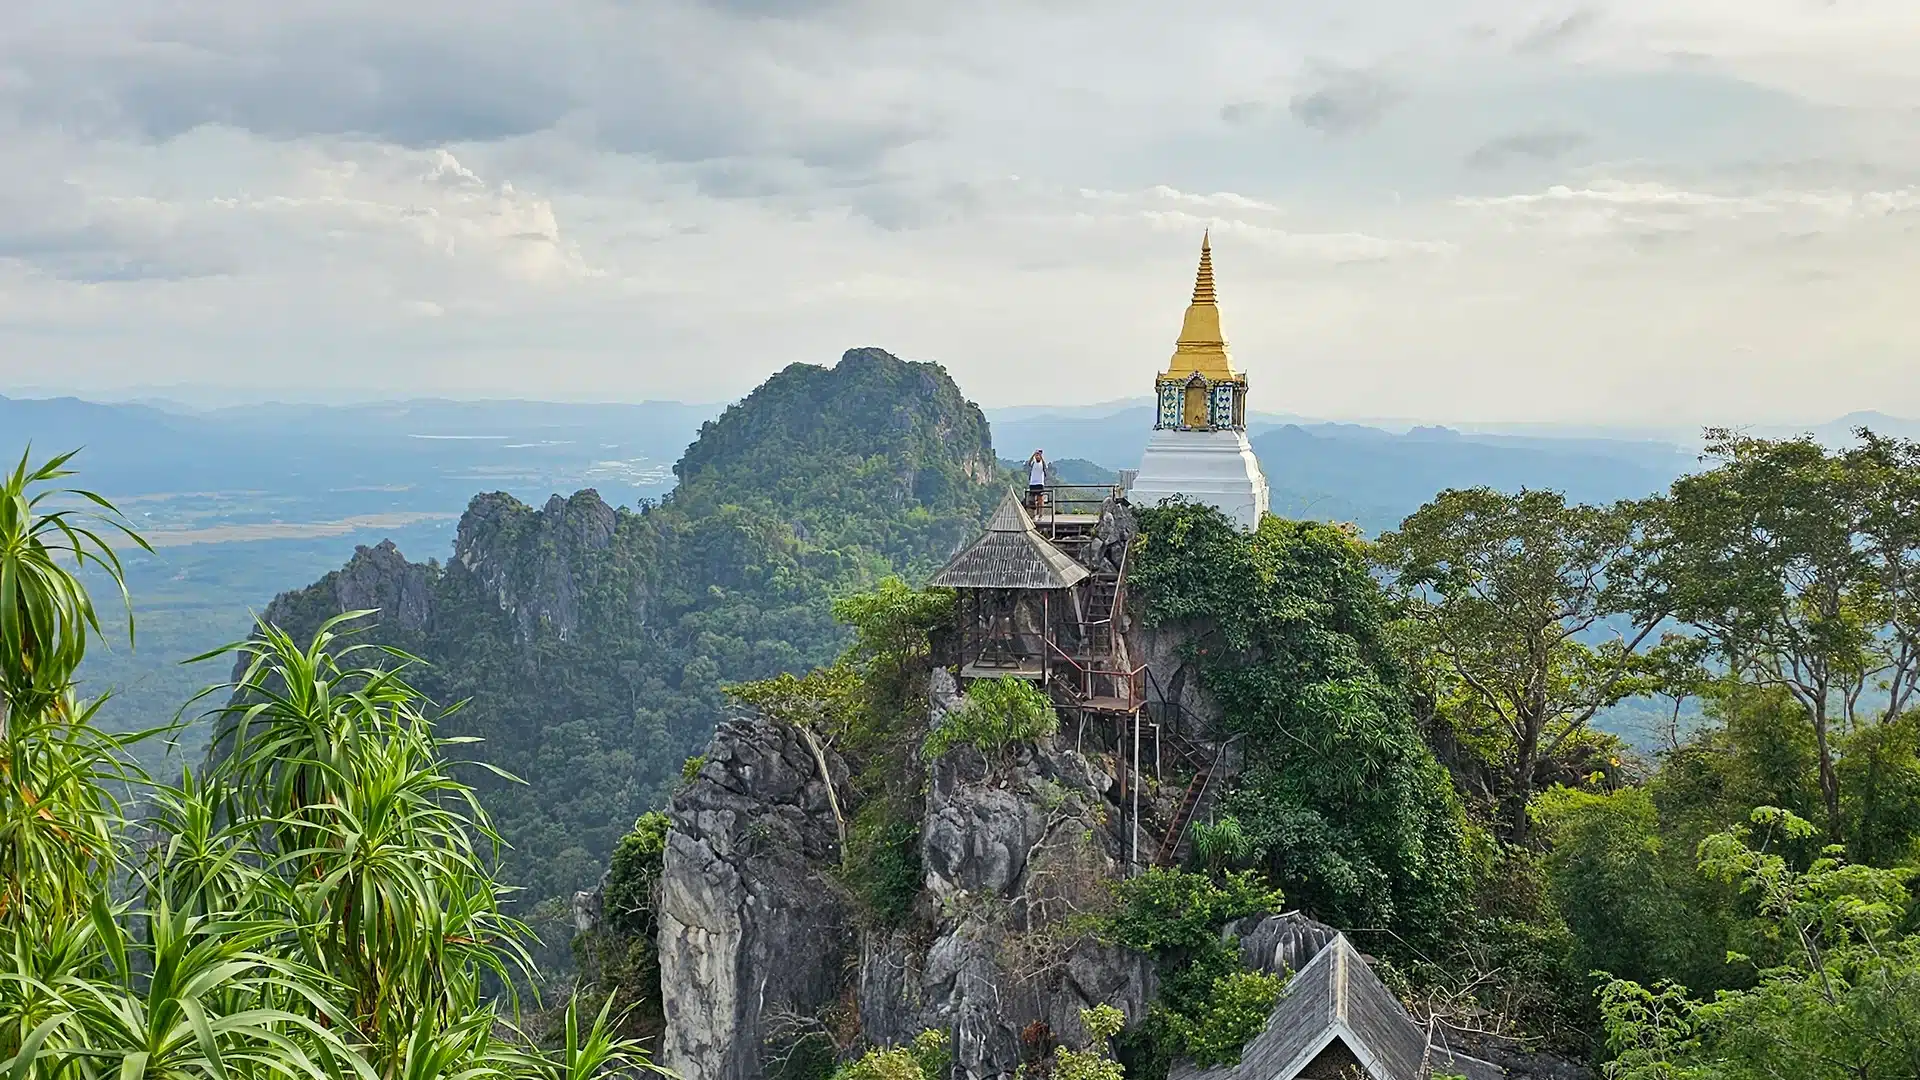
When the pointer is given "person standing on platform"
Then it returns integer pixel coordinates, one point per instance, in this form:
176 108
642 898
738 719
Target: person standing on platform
1036 481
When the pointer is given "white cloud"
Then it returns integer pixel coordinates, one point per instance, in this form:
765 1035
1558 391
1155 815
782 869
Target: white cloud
1649 207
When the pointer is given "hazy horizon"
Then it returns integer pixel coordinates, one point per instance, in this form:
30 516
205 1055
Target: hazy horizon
189 398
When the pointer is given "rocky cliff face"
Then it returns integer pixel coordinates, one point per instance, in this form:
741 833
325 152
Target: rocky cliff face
1175 677
1013 847
532 563
535 563
752 927
1012 844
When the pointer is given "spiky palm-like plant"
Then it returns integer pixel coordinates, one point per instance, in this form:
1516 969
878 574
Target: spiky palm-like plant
45 611
56 810
371 842
319 904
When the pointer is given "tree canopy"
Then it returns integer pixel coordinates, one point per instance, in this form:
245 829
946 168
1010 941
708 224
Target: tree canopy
1345 805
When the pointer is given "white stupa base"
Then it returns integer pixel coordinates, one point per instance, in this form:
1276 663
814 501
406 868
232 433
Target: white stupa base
1212 467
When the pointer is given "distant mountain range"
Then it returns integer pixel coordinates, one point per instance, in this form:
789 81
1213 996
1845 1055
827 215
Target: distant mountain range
276 462
246 500
330 462
1368 475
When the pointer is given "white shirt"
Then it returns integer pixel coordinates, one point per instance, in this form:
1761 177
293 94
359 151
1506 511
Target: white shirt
1037 474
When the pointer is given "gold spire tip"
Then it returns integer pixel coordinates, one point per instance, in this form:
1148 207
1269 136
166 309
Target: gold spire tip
1203 281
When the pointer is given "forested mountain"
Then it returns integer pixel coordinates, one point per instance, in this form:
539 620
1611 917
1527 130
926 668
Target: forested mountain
592 642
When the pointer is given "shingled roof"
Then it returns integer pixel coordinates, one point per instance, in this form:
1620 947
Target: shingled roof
1010 554
1337 997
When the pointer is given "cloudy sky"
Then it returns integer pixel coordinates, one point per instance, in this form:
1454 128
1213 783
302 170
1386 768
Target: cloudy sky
1624 210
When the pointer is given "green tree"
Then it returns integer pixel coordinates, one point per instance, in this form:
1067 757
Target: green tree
928 1057
1612 880
1795 565
995 714
1844 1002
1507 593
621 956
1879 774
1221 845
823 706
1096 1062
1343 801
1209 1003
46 614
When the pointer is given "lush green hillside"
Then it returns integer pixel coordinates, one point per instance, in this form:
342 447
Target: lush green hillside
591 642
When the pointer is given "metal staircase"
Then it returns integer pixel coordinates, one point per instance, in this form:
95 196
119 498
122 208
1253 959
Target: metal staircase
1097 674
1204 769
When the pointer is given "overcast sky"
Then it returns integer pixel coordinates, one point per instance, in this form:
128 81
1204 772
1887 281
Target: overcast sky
1629 210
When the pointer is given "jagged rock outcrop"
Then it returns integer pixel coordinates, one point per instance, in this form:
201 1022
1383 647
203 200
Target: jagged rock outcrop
751 926
377 578
1113 534
1280 944
754 933
1013 845
531 562
380 578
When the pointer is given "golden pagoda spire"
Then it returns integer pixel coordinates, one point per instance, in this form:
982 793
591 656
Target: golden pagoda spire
1203 281
1202 347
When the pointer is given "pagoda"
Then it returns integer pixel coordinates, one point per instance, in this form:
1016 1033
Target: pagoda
1199 451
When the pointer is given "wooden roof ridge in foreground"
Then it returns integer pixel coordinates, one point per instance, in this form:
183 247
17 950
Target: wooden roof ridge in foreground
1336 996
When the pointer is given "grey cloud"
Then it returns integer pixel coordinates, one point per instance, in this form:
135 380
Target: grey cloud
1346 101
52 228
773 8
1243 112
1554 33
1546 145
900 206
337 74
668 79
732 127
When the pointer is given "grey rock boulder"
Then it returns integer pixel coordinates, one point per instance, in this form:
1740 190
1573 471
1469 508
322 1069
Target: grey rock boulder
752 925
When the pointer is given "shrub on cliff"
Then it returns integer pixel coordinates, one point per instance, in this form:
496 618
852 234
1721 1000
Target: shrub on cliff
1209 1003
928 1057
996 714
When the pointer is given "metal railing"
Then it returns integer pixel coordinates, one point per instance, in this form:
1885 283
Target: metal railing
1086 680
1070 500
